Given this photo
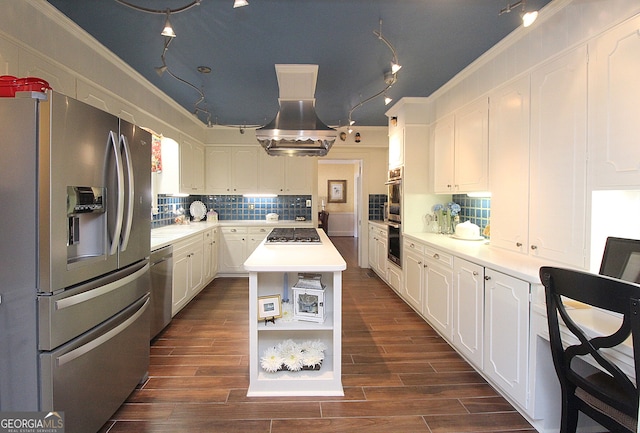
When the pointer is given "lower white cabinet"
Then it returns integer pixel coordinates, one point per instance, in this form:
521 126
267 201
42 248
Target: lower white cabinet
468 310
378 244
394 277
414 274
233 250
506 334
438 297
210 260
188 271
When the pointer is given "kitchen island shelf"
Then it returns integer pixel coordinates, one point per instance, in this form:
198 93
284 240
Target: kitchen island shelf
267 267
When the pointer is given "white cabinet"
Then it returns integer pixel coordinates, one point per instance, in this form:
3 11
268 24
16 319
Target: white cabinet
614 63
468 310
414 274
255 238
506 334
557 181
231 170
325 381
378 243
395 278
188 271
438 296
396 142
285 175
233 249
211 241
192 157
509 165
461 150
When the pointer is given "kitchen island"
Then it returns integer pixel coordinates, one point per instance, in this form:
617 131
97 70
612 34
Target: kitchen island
273 270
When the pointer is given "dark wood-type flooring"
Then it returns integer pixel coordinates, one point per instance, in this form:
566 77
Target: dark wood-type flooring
398 374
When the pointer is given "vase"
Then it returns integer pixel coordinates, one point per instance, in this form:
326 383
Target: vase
444 219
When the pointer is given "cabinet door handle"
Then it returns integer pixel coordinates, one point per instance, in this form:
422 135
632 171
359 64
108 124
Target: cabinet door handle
487 278
475 273
436 256
534 247
233 230
412 245
518 244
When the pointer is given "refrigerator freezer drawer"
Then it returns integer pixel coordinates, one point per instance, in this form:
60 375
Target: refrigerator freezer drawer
66 315
89 378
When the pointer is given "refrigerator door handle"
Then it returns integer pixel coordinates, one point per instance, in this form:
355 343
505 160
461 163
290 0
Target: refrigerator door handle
76 353
115 240
128 221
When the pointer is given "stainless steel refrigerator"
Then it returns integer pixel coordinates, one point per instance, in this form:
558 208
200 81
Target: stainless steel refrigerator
75 195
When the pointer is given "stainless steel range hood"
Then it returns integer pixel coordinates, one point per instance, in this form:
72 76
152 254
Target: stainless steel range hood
296 130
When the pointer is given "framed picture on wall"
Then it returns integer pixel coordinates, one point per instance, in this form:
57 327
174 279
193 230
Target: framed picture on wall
337 191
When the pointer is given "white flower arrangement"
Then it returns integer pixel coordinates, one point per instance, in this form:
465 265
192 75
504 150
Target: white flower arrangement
291 356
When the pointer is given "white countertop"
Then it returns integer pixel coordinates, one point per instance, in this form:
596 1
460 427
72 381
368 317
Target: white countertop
521 266
323 257
163 236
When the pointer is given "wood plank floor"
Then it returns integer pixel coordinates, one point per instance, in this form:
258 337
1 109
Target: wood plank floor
398 374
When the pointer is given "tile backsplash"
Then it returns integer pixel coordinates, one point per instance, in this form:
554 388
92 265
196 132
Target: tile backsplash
476 210
234 207
375 206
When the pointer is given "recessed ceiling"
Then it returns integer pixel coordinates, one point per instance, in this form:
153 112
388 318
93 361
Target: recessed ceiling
434 40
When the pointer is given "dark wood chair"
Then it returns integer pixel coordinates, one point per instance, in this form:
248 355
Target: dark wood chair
606 394
323 221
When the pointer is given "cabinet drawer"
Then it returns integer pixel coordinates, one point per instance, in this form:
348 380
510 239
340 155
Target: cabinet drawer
187 243
413 246
260 230
438 256
234 230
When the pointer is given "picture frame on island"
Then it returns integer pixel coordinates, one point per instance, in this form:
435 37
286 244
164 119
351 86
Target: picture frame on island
269 308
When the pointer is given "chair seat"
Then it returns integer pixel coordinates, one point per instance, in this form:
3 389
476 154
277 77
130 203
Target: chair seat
626 420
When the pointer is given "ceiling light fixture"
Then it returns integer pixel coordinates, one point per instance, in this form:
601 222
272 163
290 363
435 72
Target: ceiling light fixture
527 17
168 29
390 76
240 3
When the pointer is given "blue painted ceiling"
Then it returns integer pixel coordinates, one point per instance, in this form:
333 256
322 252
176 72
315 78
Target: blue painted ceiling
434 40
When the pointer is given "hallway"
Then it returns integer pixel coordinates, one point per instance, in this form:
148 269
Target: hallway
398 374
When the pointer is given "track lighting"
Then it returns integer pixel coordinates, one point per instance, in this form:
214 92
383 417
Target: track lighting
390 76
160 70
168 30
240 3
527 17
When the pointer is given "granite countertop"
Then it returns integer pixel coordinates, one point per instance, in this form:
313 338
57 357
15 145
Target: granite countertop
167 235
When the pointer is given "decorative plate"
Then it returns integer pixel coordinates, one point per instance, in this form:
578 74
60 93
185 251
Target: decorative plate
197 210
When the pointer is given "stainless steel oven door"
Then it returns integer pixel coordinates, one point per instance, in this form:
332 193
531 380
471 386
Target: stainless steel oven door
394 200
394 238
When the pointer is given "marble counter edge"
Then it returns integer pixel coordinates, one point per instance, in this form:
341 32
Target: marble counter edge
484 254
170 234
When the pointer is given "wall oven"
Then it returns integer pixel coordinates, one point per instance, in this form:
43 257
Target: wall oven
394 210
394 240
394 195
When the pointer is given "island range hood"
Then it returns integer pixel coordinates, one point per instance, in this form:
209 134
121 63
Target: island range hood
296 130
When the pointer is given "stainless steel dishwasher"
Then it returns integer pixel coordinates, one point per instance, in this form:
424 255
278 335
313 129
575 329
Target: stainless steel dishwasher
161 283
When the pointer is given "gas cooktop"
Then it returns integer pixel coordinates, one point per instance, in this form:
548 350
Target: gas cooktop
300 235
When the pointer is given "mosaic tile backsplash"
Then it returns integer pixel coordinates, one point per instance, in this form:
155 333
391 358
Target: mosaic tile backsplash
476 210
375 206
233 207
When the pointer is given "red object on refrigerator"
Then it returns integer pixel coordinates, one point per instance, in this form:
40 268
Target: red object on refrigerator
9 85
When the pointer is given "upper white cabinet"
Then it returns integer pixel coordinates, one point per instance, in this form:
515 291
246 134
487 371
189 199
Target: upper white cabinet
614 63
289 175
557 181
231 170
509 165
461 150
408 147
191 167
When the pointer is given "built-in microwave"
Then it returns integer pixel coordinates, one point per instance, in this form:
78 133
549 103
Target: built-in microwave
394 194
